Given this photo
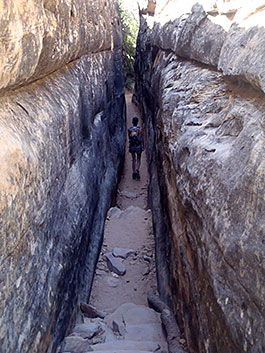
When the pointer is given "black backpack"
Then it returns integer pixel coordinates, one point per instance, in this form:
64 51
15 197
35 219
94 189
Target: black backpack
135 137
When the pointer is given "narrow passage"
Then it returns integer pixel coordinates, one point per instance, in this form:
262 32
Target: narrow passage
124 274
128 226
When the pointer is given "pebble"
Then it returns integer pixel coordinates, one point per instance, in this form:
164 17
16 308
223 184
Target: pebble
112 282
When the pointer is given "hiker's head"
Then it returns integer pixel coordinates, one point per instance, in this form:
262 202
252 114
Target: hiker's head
135 121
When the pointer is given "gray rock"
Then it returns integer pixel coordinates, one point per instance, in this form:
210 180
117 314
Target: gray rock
123 253
75 344
92 312
87 330
115 265
115 212
148 258
112 282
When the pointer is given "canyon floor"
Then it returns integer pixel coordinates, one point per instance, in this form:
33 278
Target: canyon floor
124 274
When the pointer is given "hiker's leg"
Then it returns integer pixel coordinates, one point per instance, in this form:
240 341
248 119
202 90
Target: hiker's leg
138 162
133 162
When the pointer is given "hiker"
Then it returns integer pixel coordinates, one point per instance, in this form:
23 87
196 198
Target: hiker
136 147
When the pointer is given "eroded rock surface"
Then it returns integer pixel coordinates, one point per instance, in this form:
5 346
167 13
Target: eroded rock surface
206 162
39 37
62 145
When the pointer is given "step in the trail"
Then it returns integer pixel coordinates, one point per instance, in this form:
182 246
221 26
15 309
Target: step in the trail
127 345
129 328
133 314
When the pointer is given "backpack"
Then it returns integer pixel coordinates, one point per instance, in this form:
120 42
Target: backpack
135 136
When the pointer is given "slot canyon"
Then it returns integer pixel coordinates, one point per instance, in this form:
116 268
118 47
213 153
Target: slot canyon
92 259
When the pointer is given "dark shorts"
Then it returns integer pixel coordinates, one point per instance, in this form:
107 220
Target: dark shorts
136 149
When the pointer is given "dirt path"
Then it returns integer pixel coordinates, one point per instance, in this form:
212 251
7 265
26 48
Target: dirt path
128 226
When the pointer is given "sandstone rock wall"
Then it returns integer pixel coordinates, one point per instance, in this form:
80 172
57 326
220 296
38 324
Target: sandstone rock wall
206 144
41 36
62 142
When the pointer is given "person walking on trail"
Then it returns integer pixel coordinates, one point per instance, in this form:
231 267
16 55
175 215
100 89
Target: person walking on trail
136 147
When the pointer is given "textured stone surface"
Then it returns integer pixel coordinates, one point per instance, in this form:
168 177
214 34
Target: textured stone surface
76 344
192 36
206 147
243 53
87 330
58 174
236 47
39 37
62 144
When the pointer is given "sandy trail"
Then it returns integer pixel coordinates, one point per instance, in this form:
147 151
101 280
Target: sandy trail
127 226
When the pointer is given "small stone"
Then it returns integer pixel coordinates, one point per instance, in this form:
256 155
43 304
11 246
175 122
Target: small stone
112 282
148 258
91 311
115 212
123 253
146 272
182 341
115 265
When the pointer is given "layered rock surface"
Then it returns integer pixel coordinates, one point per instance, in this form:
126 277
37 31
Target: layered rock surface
62 144
39 37
206 161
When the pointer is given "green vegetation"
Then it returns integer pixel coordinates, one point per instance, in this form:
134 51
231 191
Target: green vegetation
129 26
